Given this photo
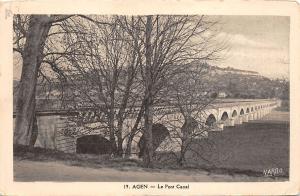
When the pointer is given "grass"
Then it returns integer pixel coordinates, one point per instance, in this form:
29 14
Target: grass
84 160
105 161
251 148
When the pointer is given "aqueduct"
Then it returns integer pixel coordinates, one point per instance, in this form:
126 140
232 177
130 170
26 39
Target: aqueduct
216 116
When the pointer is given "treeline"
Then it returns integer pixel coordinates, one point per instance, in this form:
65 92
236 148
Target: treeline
252 87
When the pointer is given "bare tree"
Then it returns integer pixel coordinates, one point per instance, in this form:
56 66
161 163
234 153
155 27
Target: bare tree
108 58
168 43
31 33
36 35
101 74
189 93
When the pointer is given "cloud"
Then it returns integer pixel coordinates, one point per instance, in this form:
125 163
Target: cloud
270 63
250 54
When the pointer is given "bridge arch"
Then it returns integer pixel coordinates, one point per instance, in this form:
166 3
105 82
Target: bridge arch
224 116
234 113
159 134
211 120
242 112
93 144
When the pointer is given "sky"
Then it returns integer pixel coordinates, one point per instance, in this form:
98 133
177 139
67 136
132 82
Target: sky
257 43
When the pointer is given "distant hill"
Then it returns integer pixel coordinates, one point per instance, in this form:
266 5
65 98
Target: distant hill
228 82
234 71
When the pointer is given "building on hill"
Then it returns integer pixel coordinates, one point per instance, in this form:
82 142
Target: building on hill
222 94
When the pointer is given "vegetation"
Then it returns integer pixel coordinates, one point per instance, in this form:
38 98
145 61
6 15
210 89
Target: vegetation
123 67
113 64
252 87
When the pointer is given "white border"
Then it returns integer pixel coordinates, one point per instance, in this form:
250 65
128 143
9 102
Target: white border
129 7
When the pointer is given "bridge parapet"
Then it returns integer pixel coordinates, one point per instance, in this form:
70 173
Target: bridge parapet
230 115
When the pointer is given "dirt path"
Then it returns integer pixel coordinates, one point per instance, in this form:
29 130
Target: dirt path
57 171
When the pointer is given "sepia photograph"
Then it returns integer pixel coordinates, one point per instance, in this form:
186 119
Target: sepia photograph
192 97
149 98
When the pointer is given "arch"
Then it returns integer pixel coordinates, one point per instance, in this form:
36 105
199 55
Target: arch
93 144
251 109
224 116
234 113
134 148
247 111
159 134
211 120
242 112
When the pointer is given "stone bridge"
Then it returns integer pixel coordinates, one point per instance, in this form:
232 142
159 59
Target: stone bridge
217 116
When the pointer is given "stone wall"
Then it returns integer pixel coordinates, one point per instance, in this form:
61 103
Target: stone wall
49 135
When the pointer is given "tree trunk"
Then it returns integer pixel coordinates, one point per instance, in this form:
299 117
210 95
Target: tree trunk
181 159
119 137
122 110
38 29
34 132
128 146
148 153
120 118
133 131
187 129
111 128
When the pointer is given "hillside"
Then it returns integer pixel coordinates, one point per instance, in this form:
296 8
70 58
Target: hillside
233 83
